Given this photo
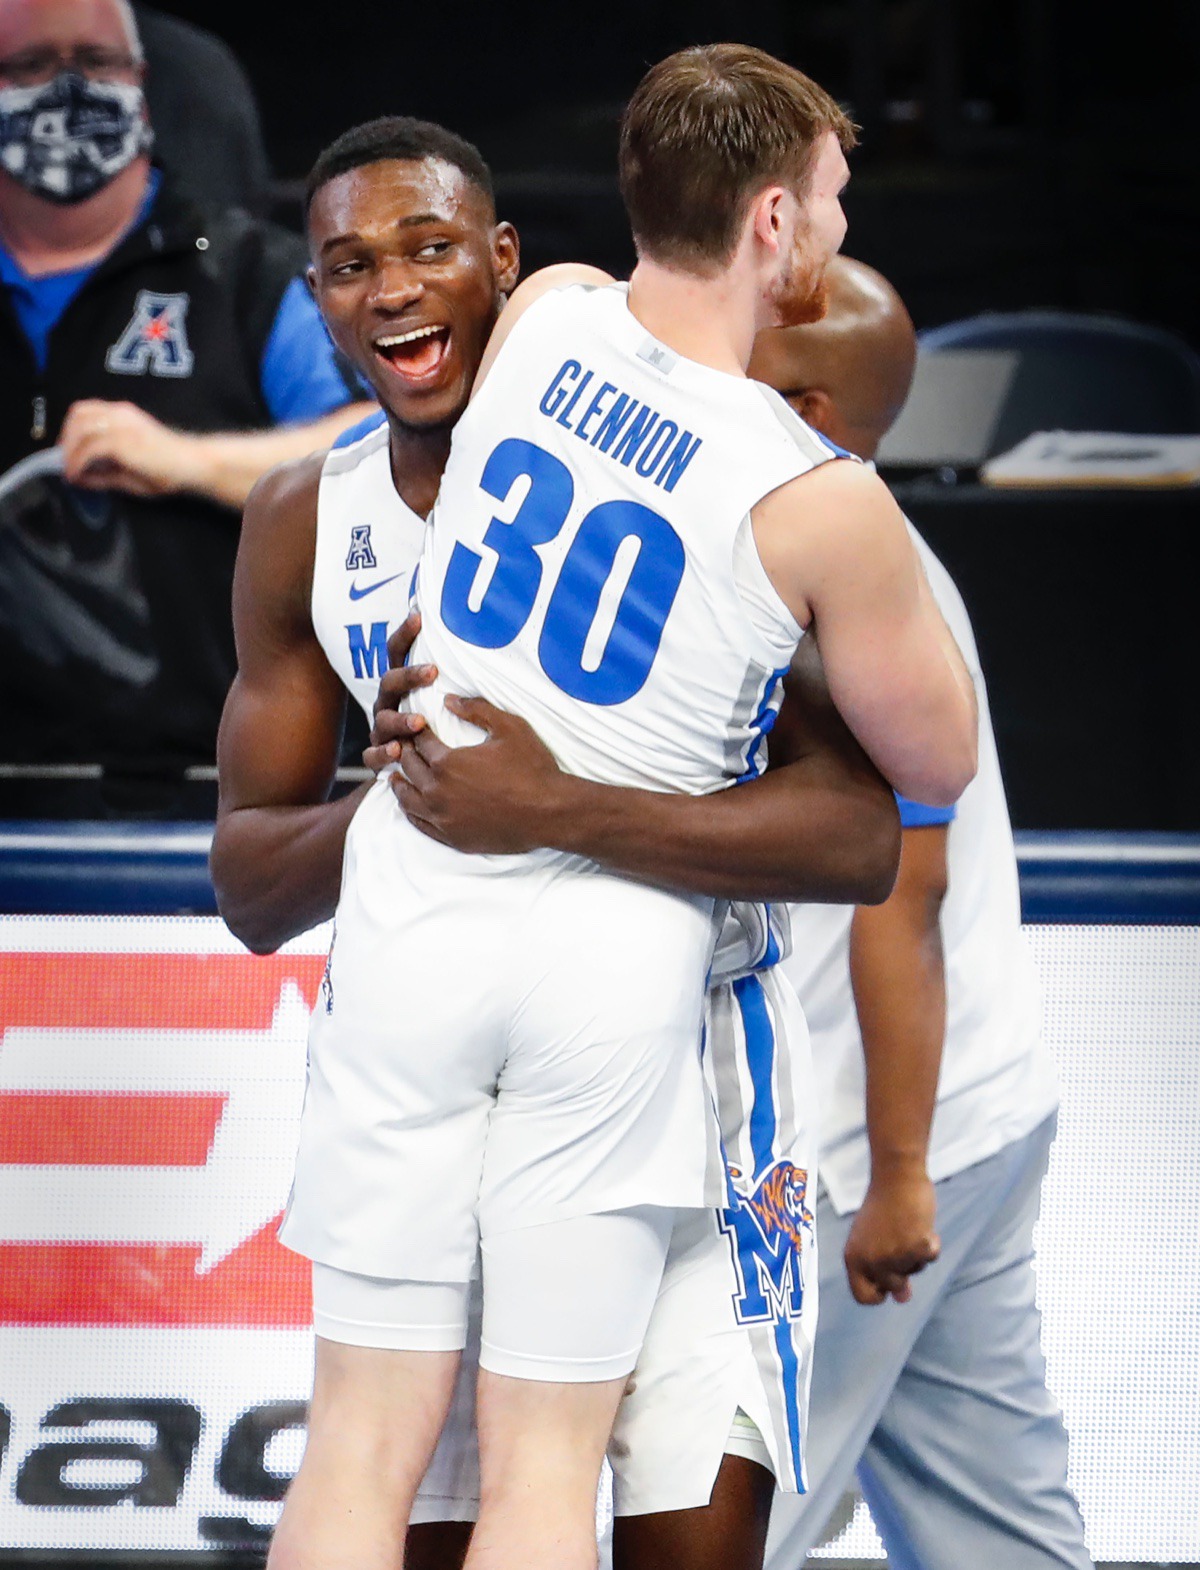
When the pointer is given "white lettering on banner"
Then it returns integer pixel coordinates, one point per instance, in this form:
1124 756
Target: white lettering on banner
241 1186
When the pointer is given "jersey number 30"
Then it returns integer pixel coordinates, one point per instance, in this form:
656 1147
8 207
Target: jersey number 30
590 647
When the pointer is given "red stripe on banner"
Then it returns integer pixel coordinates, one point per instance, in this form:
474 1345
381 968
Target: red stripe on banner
150 991
260 1283
108 1129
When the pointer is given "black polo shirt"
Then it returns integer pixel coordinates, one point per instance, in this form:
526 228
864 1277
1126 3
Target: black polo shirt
116 644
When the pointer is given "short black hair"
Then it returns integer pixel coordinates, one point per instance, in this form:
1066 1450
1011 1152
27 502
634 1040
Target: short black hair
402 137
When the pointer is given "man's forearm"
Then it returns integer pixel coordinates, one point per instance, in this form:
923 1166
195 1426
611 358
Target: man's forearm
225 465
761 840
277 870
898 978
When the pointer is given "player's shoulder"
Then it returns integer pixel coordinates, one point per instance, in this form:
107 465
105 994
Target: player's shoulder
277 549
357 443
547 281
552 280
838 481
289 490
840 507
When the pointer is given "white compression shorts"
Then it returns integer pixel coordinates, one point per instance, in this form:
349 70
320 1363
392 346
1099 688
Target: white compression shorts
611 1264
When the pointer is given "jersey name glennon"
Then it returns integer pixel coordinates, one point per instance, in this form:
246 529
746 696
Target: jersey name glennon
628 431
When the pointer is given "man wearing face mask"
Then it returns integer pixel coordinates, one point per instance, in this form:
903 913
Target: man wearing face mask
158 358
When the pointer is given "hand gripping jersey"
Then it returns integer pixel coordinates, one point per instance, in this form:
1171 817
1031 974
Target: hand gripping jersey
590 563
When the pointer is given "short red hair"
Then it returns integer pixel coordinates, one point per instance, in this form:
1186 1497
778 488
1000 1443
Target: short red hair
706 129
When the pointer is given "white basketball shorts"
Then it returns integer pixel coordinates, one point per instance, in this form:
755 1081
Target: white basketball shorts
732 1327
499 1042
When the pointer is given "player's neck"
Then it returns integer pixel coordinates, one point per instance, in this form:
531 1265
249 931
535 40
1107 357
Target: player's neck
710 320
54 237
418 458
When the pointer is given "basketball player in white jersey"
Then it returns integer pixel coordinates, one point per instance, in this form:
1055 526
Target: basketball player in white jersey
938 1101
318 591
929 1157
552 1107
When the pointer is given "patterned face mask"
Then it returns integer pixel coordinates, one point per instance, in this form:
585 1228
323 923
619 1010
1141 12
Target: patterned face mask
67 138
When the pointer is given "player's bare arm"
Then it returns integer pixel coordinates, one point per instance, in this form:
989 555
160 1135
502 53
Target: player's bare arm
898 979
544 281
820 826
835 545
277 851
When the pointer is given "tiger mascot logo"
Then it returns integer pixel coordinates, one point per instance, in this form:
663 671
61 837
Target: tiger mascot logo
767 1230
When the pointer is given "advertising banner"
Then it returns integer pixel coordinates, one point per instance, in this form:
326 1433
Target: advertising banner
155 1338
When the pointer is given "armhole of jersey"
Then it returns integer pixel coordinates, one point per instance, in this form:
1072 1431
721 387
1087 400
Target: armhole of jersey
770 619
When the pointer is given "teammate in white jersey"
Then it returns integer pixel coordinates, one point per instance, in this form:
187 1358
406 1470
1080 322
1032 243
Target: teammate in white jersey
937 1100
318 591
540 1098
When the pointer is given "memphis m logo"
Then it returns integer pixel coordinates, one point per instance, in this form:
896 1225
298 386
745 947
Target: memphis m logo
155 340
368 651
766 1234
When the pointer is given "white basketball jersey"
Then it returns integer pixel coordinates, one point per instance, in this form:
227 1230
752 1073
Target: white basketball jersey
368 544
590 563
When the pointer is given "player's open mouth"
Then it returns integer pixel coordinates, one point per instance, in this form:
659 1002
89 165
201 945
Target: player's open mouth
418 354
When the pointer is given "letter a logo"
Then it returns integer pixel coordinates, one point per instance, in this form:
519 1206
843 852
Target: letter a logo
155 340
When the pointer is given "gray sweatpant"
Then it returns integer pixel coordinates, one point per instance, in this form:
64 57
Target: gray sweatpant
941 1403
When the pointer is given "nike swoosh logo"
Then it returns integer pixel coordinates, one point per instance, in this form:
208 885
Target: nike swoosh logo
360 594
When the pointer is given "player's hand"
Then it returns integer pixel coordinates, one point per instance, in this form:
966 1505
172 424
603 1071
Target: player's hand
391 728
495 798
119 447
893 1237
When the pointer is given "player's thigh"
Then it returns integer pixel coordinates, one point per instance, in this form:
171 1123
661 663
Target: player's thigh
567 1302
449 1491
437 1545
360 1417
727 1533
694 1371
601 1105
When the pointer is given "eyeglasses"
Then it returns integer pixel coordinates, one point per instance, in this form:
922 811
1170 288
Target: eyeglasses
36 67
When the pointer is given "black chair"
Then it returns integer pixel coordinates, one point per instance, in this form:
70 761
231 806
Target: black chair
1083 373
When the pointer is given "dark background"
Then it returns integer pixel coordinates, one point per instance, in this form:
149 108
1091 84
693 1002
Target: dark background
1014 153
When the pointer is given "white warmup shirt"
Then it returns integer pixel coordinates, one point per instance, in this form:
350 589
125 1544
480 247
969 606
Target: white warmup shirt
997 1080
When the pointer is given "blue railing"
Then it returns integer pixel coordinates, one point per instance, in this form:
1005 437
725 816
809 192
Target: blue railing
162 869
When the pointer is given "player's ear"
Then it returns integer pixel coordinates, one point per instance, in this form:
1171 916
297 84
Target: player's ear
767 217
815 408
310 278
506 257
